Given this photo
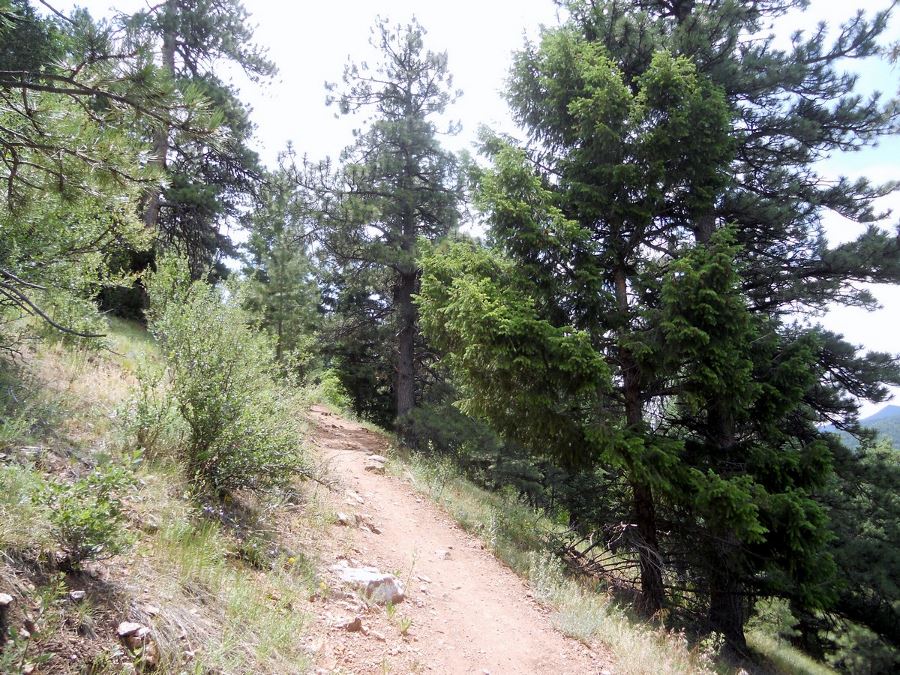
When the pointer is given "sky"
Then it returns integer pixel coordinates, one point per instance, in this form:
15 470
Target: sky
310 42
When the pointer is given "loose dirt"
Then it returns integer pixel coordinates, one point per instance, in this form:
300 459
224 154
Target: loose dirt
465 611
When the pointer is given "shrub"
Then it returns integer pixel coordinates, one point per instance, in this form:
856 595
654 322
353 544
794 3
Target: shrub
86 515
242 430
330 390
150 418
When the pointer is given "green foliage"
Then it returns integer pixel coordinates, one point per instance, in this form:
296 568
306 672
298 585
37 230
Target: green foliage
86 515
397 185
864 513
73 165
242 430
330 390
281 289
211 176
150 418
524 375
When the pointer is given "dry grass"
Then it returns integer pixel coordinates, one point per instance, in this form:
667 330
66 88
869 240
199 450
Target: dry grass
220 592
515 533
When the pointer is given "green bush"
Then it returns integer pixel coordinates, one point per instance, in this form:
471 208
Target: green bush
331 391
149 416
86 515
242 431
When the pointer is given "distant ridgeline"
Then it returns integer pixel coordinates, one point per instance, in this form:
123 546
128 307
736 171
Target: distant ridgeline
886 422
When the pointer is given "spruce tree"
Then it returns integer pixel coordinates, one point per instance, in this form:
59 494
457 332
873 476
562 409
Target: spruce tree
668 204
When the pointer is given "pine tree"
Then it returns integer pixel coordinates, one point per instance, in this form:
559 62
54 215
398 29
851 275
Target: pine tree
282 288
210 179
70 99
397 185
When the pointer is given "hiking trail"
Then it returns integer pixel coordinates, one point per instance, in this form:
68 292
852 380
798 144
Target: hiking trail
464 612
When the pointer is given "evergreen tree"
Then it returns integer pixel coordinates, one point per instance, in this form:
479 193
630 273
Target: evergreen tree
70 99
397 185
210 179
282 288
653 127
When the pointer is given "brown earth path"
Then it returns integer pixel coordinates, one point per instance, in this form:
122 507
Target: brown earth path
469 613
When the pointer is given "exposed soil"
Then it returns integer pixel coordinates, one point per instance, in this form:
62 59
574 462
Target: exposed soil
465 611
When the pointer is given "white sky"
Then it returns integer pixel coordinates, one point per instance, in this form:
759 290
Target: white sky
311 41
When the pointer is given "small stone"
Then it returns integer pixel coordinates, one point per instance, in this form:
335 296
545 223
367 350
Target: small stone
375 467
5 599
380 459
127 628
442 554
150 524
343 519
77 596
354 625
151 610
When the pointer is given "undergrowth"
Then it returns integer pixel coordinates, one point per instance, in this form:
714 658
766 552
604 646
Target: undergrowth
94 498
516 534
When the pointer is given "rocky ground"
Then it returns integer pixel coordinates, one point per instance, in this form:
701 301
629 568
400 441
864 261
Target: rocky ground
462 610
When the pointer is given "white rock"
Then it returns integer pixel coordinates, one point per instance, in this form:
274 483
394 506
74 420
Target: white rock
77 596
127 628
380 459
442 554
374 584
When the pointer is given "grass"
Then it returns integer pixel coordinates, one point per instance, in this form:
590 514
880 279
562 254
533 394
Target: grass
219 590
515 534
783 657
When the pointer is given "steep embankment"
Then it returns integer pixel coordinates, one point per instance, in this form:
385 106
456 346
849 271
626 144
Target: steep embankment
465 612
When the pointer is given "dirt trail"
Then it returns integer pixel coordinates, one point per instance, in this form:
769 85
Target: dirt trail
469 613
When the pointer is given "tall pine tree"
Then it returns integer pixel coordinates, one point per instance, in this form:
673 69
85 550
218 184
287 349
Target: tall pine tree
668 204
397 184
210 179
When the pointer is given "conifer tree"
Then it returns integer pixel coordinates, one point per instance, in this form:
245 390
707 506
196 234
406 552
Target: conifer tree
669 206
210 180
397 184
282 287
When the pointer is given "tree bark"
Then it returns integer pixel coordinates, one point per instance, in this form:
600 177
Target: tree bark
652 592
405 381
161 134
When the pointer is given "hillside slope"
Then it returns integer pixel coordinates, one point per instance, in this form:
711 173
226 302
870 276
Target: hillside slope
886 422
249 585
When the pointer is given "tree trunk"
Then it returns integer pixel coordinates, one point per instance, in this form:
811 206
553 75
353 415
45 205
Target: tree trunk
405 381
161 134
726 601
652 593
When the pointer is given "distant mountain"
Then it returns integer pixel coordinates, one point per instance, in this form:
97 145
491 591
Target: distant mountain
886 412
886 422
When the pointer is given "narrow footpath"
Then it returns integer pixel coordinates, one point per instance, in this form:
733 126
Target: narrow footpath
464 611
